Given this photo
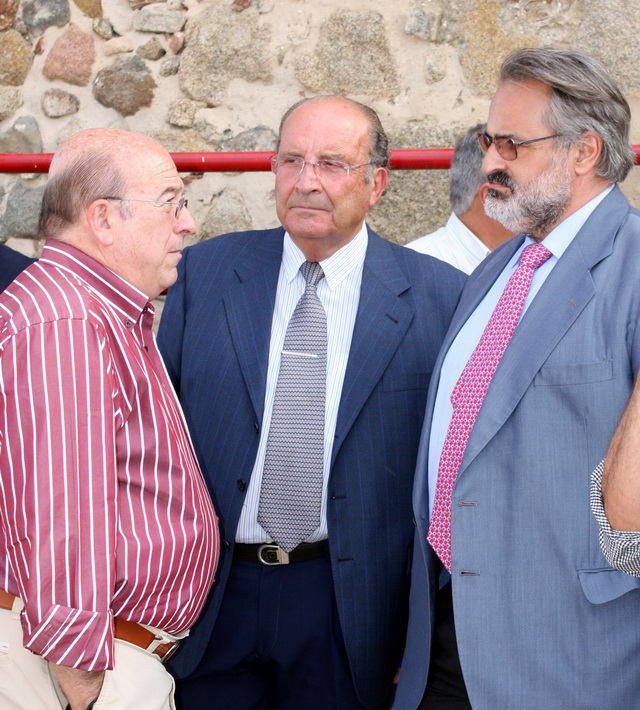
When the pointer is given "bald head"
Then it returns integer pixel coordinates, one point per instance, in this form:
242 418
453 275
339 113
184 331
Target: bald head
379 143
91 164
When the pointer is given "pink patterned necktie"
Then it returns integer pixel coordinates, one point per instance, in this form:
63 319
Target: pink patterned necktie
471 388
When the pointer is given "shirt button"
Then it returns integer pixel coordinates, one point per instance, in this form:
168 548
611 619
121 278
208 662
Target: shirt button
242 486
127 324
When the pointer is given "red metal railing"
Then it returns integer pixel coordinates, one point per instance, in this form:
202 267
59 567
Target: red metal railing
432 158
404 159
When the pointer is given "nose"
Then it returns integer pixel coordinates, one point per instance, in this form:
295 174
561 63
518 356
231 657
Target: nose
307 180
493 161
185 224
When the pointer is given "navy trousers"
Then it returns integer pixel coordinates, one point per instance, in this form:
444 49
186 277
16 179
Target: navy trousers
276 645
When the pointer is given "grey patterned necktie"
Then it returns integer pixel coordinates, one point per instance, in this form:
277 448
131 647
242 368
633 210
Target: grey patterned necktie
291 491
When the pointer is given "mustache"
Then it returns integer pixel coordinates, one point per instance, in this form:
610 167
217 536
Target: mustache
502 179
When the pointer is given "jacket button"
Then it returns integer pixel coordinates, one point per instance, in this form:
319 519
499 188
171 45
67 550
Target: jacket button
225 545
242 486
256 426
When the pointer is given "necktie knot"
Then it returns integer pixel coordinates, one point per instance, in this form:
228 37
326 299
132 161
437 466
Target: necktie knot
312 272
534 255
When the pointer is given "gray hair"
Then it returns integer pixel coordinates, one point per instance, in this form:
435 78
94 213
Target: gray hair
466 170
378 141
88 177
584 97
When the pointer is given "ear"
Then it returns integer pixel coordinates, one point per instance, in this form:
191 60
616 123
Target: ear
482 193
380 181
100 220
588 150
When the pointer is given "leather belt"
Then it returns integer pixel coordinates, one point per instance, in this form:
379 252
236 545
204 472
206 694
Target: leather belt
274 555
127 631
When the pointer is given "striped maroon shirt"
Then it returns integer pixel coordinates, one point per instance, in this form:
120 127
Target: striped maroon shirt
103 509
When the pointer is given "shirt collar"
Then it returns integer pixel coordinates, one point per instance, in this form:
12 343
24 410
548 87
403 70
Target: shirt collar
337 267
467 237
129 302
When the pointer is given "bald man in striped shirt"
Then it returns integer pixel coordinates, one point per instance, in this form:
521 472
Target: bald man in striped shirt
108 537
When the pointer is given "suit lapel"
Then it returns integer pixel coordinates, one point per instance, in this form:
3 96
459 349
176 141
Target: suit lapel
381 323
249 307
560 301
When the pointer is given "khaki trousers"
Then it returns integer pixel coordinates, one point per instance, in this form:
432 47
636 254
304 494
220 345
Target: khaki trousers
139 681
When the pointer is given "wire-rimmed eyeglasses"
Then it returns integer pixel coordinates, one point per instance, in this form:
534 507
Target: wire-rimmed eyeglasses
507 148
179 204
293 166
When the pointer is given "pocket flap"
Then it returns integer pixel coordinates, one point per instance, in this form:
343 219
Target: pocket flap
606 584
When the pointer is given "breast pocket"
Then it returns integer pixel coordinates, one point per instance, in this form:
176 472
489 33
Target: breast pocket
574 374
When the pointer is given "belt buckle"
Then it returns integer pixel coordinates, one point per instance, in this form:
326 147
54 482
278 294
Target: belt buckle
172 649
272 555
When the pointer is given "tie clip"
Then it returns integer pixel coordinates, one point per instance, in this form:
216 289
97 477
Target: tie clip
293 352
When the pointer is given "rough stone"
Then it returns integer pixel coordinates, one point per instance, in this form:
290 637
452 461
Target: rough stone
181 140
71 58
15 58
155 18
417 201
182 112
10 101
103 28
137 4
221 46
259 138
169 66
56 103
352 56
485 39
23 137
127 85
21 215
435 66
40 14
615 42
90 8
228 213
176 42
423 20
8 13
151 50
117 45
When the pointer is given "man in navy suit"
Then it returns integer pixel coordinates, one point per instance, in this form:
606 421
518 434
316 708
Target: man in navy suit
320 627
11 264
524 613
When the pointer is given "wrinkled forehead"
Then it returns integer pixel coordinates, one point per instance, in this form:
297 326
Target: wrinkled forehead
518 108
152 171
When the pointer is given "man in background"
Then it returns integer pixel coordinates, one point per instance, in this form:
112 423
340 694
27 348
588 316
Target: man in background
301 356
513 604
11 264
469 234
108 539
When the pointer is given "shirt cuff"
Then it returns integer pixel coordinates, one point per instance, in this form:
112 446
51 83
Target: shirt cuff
71 637
621 548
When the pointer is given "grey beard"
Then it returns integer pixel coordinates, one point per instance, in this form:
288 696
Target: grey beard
535 208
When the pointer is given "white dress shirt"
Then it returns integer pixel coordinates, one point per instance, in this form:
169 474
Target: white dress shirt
339 293
469 335
454 243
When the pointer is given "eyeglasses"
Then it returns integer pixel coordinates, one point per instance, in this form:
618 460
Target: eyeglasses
179 205
292 166
507 148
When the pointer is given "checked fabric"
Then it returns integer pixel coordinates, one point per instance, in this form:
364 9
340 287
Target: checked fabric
471 388
290 496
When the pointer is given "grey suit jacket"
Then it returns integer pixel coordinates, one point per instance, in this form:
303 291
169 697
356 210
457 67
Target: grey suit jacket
543 622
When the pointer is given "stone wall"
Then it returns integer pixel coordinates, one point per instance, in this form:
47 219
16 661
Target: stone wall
207 75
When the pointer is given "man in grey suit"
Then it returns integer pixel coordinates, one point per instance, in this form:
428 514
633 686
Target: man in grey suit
529 615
